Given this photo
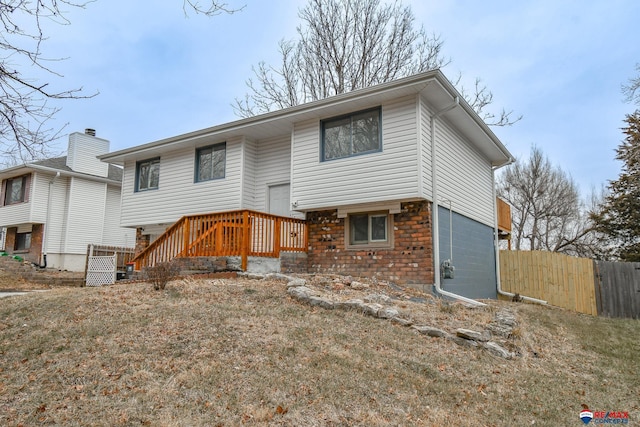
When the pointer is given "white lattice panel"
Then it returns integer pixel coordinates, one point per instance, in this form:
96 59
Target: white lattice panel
101 270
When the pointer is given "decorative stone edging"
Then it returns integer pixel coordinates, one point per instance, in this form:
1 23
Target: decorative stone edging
296 287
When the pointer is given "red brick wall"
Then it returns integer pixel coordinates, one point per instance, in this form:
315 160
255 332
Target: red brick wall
36 243
410 260
34 252
10 241
142 241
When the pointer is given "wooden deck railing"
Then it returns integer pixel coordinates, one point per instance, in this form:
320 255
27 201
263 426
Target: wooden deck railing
236 233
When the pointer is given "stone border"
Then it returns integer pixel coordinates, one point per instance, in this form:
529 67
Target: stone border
296 288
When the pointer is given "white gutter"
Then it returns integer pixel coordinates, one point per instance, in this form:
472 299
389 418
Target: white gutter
497 249
435 233
45 234
62 172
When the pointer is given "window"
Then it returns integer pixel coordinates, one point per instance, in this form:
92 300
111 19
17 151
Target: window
23 241
369 229
210 162
347 136
15 190
147 174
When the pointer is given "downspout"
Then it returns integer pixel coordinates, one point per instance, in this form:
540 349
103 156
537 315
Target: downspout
436 233
497 249
45 237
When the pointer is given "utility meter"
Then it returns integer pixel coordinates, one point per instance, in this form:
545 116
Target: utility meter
447 269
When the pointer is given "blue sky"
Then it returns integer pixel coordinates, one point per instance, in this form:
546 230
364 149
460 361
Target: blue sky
560 64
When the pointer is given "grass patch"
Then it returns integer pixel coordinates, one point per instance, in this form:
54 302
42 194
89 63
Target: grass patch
231 352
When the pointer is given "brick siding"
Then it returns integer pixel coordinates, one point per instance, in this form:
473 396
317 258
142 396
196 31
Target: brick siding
409 261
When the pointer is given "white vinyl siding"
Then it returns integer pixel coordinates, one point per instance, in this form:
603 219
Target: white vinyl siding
82 152
85 215
112 233
464 175
177 194
391 174
56 228
39 197
273 168
425 150
250 161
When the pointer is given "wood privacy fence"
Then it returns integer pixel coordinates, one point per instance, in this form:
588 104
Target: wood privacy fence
579 284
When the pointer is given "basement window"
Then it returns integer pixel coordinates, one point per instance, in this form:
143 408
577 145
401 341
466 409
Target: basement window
368 230
23 242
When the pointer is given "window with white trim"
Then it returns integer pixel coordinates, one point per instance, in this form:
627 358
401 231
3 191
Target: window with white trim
351 135
368 229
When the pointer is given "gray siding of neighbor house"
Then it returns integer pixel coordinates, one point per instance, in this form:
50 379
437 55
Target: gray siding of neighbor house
473 256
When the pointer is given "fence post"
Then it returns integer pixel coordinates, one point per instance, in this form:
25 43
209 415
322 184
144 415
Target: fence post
277 237
245 239
186 237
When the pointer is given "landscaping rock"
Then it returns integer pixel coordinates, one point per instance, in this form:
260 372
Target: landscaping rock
473 335
358 285
503 324
378 298
371 309
388 313
462 341
497 350
300 292
277 276
349 305
430 331
402 322
296 282
321 302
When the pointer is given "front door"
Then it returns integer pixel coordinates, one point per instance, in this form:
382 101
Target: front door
279 200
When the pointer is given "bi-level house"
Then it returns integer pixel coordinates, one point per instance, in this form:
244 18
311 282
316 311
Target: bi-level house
394 181
52 209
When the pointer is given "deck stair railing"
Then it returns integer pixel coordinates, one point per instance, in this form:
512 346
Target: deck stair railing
241 233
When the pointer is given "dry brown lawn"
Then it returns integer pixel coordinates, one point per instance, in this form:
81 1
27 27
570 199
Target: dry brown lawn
238 351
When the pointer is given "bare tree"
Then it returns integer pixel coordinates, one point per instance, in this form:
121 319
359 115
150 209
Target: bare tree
24 101
632 89
547 212
348 45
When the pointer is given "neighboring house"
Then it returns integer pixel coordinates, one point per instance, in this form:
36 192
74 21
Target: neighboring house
363 168
52 209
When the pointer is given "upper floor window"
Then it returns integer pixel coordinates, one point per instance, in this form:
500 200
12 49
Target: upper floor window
148 174
351 135
15 190
210 162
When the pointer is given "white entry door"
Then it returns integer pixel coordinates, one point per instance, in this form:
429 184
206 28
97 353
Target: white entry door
279 203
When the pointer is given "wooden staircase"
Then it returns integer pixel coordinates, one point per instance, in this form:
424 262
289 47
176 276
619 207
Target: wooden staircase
241 233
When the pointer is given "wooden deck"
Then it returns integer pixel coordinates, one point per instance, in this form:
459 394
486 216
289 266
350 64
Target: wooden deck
241 233
504 219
